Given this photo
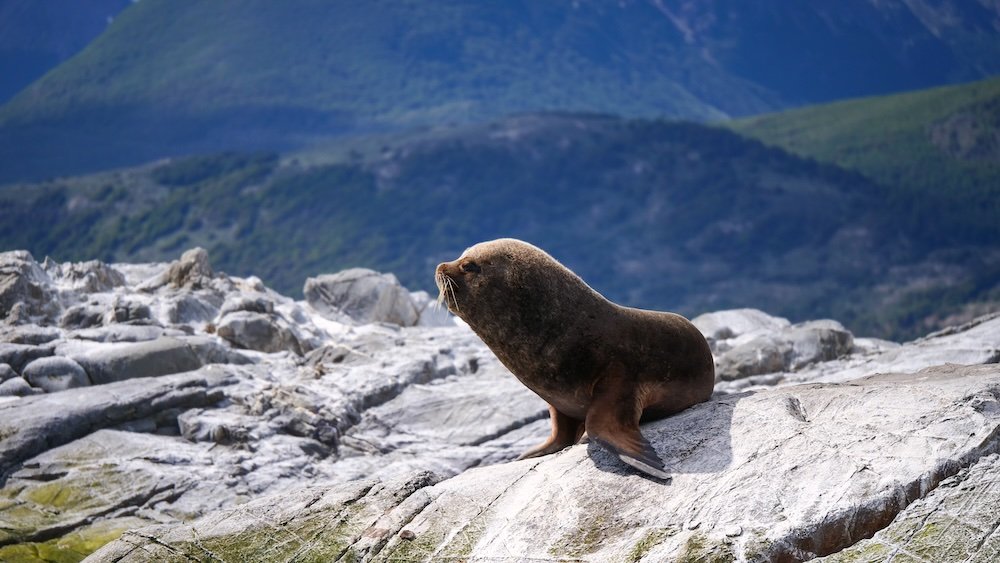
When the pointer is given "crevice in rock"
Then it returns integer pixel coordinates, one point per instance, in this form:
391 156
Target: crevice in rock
841 531
412 486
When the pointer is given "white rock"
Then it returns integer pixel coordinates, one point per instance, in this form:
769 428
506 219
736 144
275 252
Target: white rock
364 295
723 325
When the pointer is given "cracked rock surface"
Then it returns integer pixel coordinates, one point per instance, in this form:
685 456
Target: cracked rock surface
207 417
787 474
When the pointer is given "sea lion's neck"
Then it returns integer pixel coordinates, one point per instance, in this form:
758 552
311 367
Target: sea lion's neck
525 330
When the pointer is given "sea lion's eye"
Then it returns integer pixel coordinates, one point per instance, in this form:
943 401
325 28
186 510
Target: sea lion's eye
471 267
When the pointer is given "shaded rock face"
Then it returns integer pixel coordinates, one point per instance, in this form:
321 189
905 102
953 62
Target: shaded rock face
209 392
363 295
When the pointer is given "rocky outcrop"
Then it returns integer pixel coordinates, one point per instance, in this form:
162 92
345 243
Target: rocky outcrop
363 295
23 286
748 342
957 521
823 475
206 392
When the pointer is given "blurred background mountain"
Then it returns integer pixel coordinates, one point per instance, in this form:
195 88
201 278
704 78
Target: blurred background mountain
824 167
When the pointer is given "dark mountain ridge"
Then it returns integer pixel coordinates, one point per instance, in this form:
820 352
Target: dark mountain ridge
654 214
174 77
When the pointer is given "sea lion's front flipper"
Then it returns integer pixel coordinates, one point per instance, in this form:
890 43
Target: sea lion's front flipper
613 422
564 434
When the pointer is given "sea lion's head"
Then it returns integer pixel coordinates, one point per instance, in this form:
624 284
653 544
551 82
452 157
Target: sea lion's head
482 278
509 285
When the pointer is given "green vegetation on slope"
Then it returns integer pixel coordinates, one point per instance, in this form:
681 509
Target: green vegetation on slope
937 151
653 214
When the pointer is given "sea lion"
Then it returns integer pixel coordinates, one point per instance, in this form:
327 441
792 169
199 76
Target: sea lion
601 367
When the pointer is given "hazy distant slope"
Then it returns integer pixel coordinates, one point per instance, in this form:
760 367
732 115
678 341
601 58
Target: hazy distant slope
655 214
35 36
181 76
940 145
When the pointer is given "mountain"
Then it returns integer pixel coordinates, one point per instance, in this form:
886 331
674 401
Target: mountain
654 214
173 77
938 148
37 36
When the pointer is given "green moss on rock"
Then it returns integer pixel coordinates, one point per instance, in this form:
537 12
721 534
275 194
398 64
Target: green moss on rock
72 547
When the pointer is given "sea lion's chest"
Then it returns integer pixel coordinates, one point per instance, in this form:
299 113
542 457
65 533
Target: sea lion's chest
561 370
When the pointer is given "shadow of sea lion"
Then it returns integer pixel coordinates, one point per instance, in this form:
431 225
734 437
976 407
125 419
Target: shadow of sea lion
695 440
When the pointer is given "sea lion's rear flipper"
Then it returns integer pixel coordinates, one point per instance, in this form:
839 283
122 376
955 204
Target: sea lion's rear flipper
564 434
613 422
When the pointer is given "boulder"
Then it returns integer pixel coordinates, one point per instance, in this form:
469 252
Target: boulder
19 355
192 271
831 465
258 331
195 307
978 342
763 354
787 349
6 372
364 295
817 341
24 287
17 387
55 373
254 303
63 488
723 325
153 358
92 276
84 315
29 334
127 310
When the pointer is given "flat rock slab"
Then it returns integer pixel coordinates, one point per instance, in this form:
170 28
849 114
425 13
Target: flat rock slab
68 487
976 343
153 358
785 474
32 425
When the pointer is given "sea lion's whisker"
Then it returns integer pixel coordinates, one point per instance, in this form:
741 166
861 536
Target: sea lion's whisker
440 280
454 298
446 286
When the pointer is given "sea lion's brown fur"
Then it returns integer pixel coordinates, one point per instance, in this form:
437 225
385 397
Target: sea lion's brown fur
601 367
